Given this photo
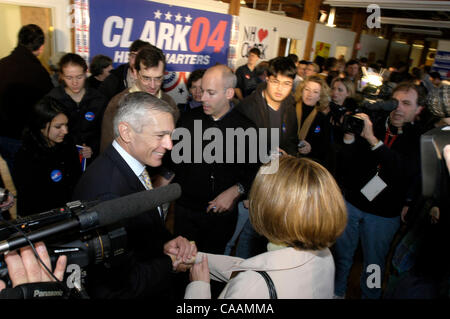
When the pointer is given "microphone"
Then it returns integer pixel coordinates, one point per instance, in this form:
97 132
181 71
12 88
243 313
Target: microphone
103 214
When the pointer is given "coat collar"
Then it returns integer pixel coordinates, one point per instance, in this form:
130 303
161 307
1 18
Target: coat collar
281 259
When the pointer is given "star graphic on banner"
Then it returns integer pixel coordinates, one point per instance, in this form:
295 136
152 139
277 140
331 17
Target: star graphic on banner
188 18
181 91
157 14
168 15
178 17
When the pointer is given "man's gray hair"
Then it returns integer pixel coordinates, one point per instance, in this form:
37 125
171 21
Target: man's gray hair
134 107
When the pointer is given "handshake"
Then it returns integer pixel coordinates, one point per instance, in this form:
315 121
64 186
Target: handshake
182 252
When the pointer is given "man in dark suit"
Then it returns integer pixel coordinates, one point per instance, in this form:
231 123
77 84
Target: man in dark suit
23 82
142 127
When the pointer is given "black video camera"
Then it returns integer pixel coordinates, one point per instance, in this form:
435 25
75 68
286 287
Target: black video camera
81 248
352 124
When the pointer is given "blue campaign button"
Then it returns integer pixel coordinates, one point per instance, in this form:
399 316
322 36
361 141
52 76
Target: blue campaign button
317 129
56 175
89 116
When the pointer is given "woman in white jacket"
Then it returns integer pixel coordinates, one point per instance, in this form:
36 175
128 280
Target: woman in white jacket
301 211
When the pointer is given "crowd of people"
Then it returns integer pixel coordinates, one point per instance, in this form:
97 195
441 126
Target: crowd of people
346 173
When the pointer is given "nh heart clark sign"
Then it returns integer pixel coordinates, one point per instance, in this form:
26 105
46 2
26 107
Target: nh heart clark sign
255 37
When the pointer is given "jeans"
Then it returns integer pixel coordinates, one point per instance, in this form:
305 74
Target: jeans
376 234
250 243
242 219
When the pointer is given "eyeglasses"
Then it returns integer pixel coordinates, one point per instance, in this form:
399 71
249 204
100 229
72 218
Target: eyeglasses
148 79
284 85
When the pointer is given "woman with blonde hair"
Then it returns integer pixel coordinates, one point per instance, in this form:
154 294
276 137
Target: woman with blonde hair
314 128
301 211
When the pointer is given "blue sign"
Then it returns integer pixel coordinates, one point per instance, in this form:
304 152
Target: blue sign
89 116
189 38
442 64
56 175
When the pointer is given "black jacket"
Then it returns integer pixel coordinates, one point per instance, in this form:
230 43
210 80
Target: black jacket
201 182
399 168
85 118
45 177
255 108
23 82
320 137
144 270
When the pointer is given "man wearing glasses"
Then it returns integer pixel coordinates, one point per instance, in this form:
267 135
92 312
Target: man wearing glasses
122 77
270 106
148 72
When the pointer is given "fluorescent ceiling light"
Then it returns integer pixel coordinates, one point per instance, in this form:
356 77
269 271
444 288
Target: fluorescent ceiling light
417 31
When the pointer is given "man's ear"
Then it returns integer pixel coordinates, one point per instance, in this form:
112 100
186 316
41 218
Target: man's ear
419 110
125 132
229 93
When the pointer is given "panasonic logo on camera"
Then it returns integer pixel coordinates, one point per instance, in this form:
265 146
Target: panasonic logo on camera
42 294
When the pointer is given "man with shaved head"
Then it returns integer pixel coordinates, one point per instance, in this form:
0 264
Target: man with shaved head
206 211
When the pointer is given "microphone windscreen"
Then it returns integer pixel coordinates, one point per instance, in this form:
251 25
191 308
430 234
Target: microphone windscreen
113 211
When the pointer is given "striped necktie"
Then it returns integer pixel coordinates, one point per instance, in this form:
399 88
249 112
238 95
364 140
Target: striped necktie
148 184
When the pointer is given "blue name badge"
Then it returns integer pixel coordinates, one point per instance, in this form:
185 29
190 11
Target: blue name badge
89 116
56 175
317 129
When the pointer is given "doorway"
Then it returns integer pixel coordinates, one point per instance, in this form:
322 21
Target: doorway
13 17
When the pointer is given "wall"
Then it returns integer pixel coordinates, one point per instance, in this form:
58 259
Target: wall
370 43
9 27
335 37
397 52
443 45
60 20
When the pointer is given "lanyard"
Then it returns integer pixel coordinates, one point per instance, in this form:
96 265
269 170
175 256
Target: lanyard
386 138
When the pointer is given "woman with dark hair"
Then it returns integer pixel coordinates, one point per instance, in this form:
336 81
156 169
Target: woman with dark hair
84 105
100 67
47 165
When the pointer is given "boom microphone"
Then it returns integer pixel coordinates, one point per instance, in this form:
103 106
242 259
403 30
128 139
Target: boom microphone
103 214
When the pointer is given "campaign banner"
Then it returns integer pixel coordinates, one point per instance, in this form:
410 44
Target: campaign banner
189 38
442 64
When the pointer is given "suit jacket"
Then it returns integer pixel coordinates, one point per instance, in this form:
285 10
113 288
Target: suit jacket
297 274
144 270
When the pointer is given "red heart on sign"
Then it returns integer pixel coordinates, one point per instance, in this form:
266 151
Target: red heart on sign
262 34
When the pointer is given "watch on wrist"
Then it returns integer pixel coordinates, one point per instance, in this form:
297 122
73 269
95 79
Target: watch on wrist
241 189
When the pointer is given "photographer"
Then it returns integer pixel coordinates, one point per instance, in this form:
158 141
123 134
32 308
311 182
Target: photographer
24 269
378 171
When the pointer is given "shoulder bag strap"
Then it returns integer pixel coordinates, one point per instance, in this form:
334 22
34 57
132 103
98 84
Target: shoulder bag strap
270 285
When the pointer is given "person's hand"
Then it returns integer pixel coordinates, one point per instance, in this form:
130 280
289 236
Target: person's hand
8 203
447 156
180 250
367 132
225 201
403 213
86 151
283 152
305 149
24 268
200 271
246 203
